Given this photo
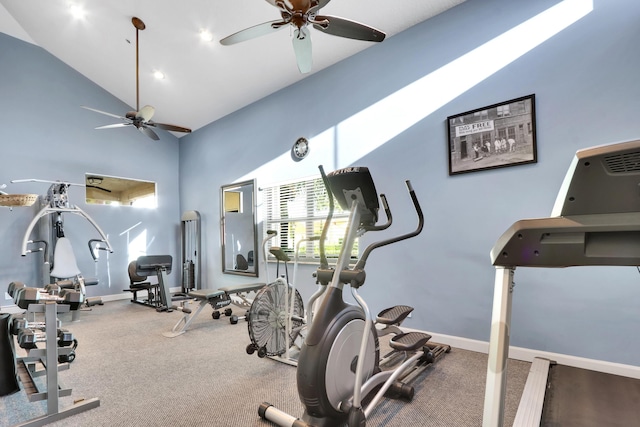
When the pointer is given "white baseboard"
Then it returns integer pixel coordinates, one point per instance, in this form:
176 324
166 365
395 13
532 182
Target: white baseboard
116 297
527 355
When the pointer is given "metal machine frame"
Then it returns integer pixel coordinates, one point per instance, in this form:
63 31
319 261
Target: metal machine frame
57 202
48 357
191 237
595 221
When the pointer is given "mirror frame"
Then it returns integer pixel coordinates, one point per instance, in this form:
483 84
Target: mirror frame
245 185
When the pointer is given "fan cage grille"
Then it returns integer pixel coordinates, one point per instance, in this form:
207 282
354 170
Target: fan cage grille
267 316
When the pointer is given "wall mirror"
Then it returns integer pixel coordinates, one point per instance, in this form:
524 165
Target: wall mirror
239 230
109 190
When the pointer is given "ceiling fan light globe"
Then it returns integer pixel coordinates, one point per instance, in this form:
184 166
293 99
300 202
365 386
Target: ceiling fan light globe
146 113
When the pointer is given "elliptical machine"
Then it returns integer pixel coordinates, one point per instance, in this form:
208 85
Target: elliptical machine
339 364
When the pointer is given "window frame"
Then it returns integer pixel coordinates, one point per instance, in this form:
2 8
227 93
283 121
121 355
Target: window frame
311 194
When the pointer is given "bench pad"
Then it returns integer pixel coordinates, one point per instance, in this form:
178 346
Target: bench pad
247 287
205 294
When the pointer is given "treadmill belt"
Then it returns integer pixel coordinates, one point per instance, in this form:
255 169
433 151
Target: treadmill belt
582 398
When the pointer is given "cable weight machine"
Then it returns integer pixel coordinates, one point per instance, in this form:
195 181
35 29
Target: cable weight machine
190 233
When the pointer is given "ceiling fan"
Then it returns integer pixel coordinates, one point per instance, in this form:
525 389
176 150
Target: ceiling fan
141 118
301 13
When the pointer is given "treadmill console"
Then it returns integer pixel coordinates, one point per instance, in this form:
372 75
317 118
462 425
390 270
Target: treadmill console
601 180
595 220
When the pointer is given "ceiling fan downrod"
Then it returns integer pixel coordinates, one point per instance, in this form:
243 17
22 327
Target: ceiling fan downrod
137 22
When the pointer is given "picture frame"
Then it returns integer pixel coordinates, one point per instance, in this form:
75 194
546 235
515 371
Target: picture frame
495 136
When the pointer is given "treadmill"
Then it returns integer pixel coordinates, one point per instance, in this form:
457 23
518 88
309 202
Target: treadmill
595 221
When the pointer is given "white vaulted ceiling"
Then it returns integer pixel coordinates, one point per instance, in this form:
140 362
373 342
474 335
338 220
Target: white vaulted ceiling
204 80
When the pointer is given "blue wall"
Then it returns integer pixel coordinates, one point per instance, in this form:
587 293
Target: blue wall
585 82
46 135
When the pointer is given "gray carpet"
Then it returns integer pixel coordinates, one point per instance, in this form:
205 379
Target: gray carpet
205 377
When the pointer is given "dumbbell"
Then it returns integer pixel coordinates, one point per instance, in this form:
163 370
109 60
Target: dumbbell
17 324
64 340
27 338
22 323
13 287
52 288
25 296
71 297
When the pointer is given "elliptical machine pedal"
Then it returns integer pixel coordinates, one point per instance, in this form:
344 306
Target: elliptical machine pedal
394 315
409 341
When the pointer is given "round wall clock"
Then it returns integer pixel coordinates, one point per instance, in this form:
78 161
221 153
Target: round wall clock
300 149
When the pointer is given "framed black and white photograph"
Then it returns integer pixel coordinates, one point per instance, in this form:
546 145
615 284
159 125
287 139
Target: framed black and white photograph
495 136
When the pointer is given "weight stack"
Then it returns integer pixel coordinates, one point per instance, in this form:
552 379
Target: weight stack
188 275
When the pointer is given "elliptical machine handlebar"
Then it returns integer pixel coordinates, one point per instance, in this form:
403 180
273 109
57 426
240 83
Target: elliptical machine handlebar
387 213
270 235
324 263
347 186
416 204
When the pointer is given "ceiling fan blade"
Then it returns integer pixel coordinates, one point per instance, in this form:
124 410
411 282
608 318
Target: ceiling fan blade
151 134
342 27
302 49
117 125
98 188
145 113
172 128
104 112
318 4
253 32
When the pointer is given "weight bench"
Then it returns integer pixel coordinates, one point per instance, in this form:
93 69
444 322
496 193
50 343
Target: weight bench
218 299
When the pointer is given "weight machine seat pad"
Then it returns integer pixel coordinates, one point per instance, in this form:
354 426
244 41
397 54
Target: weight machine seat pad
236 289
142 286
64 261
206 294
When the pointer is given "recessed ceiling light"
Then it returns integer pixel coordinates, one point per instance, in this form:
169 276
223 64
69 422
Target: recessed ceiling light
158 75
206 35
77 11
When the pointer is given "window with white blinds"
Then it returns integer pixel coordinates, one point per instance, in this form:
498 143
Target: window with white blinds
298 210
